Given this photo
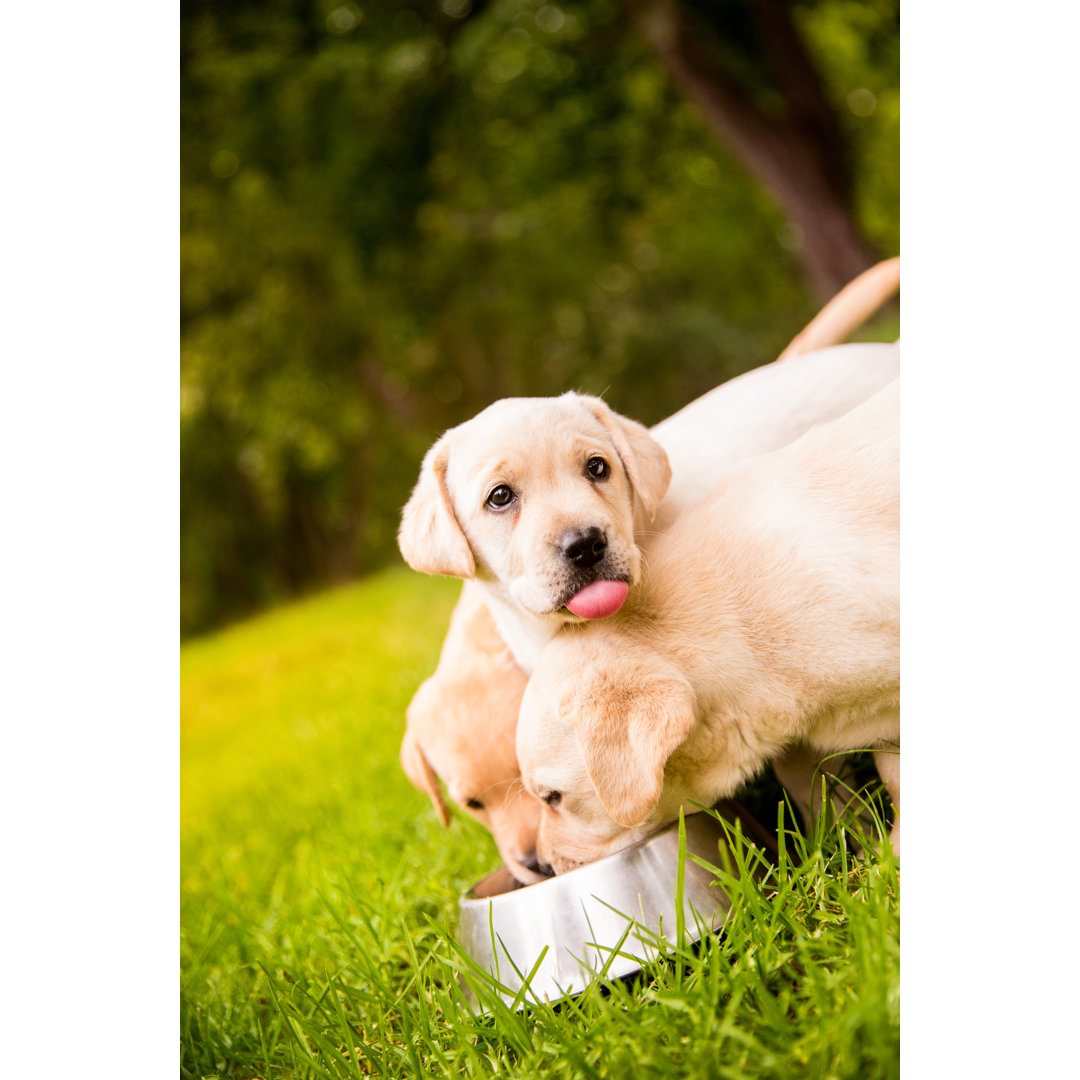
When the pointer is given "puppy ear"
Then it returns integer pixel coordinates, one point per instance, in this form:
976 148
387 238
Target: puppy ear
422 775
644 459
626 738
430 538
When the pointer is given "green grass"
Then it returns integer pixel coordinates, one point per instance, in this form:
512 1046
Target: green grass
319 894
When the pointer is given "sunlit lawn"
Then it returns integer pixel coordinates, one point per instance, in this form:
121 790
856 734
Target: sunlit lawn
316 886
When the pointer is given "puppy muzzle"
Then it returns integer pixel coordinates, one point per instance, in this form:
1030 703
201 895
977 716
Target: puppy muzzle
530 869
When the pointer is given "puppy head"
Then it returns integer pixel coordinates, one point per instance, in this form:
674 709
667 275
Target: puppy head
598 722
460 727
539 497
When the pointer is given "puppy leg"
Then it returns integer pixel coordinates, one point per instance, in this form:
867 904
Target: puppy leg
794 768
888 767
800 769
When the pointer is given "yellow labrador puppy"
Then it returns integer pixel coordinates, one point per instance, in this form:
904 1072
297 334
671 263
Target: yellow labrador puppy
544 500
460 727
461 722
768 614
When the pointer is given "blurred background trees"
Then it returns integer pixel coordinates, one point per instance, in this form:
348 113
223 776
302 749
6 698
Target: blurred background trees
393 213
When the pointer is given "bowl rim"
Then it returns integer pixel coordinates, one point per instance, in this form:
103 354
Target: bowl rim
734 810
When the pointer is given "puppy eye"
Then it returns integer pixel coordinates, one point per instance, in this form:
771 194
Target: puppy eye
553 798
597 468
500 497
475 804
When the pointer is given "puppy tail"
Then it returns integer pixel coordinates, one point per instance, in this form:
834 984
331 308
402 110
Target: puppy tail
848 309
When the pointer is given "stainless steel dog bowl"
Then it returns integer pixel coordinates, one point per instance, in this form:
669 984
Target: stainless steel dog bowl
604 918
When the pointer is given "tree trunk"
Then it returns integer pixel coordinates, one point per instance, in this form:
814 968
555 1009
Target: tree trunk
799 156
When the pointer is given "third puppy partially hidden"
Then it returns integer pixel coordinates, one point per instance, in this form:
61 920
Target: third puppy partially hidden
767 615
461 728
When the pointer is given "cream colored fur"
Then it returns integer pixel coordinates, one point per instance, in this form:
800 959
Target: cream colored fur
455 717
462 719
539 447
460 726
767 615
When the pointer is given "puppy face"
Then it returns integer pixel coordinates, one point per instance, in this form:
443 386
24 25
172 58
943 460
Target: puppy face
536 496
598 722
460 728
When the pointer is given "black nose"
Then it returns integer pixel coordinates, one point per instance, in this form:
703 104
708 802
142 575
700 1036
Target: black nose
534 864
584 547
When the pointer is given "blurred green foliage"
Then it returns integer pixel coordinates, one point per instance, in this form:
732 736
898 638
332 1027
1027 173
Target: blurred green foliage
394 213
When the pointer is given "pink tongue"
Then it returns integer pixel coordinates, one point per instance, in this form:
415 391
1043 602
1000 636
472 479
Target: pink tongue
599 600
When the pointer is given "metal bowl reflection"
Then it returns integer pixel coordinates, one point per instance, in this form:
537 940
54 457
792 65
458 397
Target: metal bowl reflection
605 918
